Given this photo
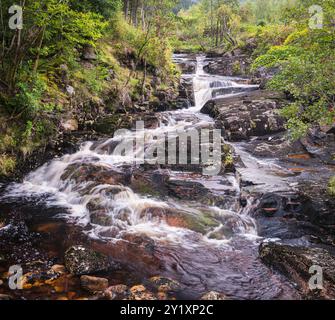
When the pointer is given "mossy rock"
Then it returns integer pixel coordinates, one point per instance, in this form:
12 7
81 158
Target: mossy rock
80 261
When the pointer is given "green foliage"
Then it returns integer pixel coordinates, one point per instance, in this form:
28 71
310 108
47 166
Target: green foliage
28 98
306 60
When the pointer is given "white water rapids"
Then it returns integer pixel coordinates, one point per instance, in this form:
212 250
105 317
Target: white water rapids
76 197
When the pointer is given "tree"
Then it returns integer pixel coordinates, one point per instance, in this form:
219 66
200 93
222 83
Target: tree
50 26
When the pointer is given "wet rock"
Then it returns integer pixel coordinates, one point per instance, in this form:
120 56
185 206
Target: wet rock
93 284
59 269
295 263
274 146
80 260
320 143
117 292
140 292
105 146
318 205
195 191
39 278
99 174
132 250
186 90
213 295
101 218
188 67
20 246
164 284
151 182
241 117
232 90
200 222
288 215
189 190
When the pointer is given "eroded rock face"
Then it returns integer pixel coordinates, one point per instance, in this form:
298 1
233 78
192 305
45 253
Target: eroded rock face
80 261
241 117
295 263
319 205
186 90
320 143
305 212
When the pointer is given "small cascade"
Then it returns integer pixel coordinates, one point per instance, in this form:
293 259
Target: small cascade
207 87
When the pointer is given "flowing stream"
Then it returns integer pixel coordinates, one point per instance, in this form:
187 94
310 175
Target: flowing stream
204 247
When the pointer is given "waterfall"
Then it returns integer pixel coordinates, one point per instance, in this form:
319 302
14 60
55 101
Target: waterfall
63 180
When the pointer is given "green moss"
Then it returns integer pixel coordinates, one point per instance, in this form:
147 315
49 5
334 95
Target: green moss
7 165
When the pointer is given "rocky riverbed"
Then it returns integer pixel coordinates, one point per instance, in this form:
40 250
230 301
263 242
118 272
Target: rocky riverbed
88 225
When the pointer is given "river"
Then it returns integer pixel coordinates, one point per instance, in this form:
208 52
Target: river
204 247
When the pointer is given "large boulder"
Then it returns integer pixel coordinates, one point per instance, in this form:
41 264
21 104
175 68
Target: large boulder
82 261
247 115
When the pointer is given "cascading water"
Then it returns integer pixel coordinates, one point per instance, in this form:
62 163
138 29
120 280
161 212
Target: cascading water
90 186
208 86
